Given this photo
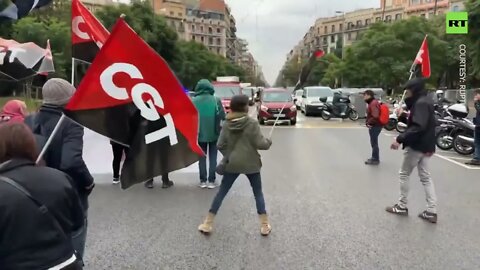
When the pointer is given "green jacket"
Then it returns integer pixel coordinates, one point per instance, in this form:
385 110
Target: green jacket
242 156
210 112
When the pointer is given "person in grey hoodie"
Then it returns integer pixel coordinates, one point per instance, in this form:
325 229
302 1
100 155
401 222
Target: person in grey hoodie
239 142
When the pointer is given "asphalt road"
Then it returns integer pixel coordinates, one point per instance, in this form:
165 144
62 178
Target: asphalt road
326 209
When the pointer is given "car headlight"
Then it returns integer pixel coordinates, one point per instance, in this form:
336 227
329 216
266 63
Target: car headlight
263 108
293 108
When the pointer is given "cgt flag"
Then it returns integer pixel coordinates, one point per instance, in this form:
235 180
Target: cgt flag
308 68
123 98
88 34
421 64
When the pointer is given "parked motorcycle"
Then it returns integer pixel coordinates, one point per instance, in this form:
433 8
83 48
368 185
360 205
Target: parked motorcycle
463 142
393 119
329 110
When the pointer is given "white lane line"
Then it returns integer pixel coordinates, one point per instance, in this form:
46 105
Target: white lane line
457 163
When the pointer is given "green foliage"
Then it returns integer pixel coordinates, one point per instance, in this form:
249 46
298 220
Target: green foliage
384 53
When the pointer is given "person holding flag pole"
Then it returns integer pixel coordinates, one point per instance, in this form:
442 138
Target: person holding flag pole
418 140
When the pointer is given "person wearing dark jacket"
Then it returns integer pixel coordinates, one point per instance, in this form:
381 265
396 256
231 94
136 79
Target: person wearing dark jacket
33 239
66 150
239 142
419 143
374 126
476 157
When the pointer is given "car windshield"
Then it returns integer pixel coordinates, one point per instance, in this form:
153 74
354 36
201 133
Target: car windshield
276 97
227 91
299 93
319 92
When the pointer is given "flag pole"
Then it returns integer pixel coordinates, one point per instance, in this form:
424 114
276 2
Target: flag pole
73 72
50 139
276 120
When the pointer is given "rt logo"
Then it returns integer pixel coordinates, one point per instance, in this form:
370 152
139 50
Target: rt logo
457 23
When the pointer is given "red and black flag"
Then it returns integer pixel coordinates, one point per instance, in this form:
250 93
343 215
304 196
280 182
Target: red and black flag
123 98
17 9
421 64
88 34
307 68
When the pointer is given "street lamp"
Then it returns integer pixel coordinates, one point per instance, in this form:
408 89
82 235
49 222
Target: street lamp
343 35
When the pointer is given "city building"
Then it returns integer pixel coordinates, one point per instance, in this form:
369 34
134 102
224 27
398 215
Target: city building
344 29
175 13
95 5
231 35
206 24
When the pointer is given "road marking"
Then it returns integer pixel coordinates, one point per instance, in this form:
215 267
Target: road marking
457 163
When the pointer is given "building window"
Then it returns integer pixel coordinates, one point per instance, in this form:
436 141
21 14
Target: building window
172 13
359 23
414 2
378 19
219 42
398 16
218 50
193 37
210 30
367 22
325 40
210 41
201 29
202 39
219 31
455 8
423 15
332 38
193 28
341 27
388 18
325 30
349 36
333 28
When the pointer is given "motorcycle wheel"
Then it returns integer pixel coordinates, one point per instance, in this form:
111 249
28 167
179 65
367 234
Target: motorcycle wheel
399 128
442 142
353 115
392 123
462 149
325 116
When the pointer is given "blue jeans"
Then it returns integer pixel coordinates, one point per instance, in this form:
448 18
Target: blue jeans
374 133
477 144
227 182
79 238
211 150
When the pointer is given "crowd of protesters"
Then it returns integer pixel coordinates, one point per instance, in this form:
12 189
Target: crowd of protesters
45 200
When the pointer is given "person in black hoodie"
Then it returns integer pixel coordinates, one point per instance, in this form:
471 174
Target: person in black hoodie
32 239
419 144
66 150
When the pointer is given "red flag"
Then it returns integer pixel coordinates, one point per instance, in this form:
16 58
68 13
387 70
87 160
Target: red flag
124 98
422 61
305 72
88 34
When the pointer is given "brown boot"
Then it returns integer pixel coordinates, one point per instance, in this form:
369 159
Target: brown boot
207 226
266 228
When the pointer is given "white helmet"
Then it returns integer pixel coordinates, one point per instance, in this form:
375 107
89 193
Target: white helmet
439 92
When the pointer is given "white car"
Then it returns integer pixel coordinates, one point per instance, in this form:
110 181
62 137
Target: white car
297 98
311 99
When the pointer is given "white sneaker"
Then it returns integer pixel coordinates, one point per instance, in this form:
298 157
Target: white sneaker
116 181
211 185
203 185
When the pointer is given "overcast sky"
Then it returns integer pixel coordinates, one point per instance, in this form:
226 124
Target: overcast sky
273 27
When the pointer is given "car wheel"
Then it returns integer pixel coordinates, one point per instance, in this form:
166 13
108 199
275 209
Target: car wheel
293 122
261 121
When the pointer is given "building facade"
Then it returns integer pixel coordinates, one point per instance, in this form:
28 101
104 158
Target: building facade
333 33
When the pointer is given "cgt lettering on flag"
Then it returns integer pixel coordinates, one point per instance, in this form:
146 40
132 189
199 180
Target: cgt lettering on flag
147 108
457 23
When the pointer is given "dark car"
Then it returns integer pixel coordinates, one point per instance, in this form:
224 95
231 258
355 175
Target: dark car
277 104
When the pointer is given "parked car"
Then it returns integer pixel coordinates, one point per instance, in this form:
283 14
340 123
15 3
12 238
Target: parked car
297 98
250 93
277 104
225 91
311 103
